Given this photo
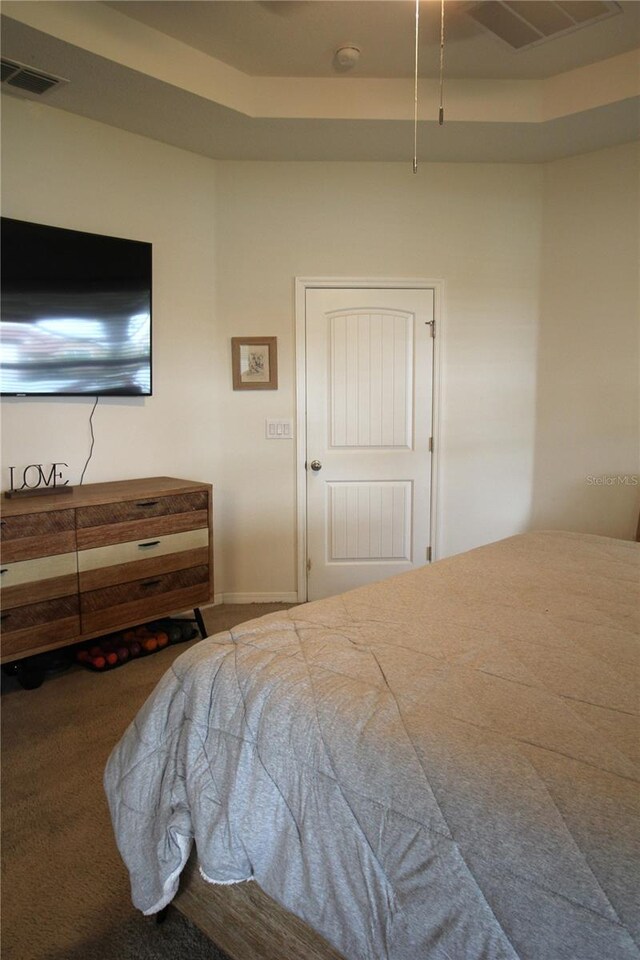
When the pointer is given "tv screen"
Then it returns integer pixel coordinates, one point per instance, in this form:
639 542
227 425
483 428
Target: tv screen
75 317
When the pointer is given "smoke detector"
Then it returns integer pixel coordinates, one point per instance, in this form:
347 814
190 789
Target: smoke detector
346 56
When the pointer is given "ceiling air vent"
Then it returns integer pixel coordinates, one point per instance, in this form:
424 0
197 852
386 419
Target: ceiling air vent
526 23
21 77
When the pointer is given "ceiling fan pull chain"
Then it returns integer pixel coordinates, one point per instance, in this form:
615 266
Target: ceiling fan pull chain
415 92
441 111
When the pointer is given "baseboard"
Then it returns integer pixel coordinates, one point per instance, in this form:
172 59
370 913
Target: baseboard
284 597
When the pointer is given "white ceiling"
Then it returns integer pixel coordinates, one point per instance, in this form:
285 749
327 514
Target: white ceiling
298 38
257 80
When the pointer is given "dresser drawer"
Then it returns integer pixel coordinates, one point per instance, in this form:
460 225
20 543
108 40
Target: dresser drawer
138 600
36 524
143 589
136 550
134 560
29 581
147 529
32 535
108 513
35 625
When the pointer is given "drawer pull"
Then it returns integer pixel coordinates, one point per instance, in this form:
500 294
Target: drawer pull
4 616
147 503
151 583
150 543
4 570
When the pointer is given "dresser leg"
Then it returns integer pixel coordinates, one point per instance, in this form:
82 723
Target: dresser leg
199 620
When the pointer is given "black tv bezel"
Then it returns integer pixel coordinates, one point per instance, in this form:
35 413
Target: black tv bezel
100 393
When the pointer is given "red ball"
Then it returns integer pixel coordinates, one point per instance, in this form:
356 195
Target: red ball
112 659
99 662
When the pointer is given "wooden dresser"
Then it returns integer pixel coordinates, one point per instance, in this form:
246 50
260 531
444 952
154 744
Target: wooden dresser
103 558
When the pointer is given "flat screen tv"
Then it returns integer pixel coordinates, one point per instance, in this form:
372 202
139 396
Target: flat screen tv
75 313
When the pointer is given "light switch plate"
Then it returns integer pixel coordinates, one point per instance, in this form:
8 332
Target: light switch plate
278 430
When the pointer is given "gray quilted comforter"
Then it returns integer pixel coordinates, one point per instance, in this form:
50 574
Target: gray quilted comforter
443 765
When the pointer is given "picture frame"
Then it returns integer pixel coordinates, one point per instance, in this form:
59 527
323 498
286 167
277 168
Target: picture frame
254 363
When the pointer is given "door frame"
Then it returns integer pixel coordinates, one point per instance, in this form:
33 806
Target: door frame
302 284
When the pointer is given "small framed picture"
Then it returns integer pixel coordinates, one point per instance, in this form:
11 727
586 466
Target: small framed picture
254 363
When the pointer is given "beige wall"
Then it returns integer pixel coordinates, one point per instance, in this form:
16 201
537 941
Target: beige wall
60 169
229 239
475 226
587 451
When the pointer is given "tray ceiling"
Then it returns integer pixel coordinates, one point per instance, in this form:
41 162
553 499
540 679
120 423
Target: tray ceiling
258 80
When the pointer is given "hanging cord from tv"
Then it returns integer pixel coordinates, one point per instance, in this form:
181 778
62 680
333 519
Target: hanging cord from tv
93 439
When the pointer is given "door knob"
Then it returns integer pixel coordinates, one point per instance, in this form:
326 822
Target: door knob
316 465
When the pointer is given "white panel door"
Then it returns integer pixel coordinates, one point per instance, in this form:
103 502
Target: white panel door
369 356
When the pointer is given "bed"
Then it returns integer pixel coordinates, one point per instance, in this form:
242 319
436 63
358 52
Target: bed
440 766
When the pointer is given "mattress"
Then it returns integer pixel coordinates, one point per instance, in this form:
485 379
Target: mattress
443 765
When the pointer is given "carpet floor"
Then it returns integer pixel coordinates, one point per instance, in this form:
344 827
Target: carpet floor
65 890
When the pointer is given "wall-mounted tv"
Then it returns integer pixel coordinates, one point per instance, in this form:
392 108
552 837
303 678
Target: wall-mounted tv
75 313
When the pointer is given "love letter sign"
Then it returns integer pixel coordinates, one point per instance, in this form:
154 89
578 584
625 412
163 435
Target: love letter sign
35 479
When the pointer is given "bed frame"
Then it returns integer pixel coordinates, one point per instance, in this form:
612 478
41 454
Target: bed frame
245 922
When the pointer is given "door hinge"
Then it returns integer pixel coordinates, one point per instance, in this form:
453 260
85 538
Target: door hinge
428 554
430 444
308 564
